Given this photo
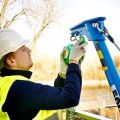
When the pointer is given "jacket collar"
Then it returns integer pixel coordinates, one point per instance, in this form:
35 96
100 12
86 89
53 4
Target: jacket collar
8 72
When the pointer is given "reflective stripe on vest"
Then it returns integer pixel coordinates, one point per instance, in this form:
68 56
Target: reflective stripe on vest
5 84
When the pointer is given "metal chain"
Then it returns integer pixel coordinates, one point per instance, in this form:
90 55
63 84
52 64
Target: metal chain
70 113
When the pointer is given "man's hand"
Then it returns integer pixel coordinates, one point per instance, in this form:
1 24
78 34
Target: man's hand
77 52
76 56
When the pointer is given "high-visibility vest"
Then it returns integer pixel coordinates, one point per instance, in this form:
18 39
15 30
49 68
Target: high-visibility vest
5 84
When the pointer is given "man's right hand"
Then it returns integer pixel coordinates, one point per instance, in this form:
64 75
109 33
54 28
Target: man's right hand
77 52
76 56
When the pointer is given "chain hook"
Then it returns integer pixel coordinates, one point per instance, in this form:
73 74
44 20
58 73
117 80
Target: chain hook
96 25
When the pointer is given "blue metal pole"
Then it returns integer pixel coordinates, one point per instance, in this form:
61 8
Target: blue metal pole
110 69
94 30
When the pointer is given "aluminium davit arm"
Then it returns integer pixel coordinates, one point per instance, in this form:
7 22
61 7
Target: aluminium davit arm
95 31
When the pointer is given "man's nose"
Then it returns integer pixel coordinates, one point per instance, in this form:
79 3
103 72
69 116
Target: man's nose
28 49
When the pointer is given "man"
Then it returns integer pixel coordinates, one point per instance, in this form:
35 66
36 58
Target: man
22 99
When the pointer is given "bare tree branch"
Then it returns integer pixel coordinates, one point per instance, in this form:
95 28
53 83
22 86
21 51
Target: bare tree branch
15 17
7 15
2 13
50 13
11 2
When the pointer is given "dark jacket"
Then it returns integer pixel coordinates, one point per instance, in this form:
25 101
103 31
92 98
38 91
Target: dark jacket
26 98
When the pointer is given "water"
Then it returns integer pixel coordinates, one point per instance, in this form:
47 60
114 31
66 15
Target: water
96 98
99 101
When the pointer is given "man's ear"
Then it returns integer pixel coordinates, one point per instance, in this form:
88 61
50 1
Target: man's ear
11 61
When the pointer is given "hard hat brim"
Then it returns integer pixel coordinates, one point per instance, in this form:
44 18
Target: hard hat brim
13 49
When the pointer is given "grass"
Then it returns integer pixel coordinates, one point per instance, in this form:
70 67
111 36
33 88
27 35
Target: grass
47 68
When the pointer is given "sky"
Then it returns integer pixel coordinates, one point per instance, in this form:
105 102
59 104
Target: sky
74 12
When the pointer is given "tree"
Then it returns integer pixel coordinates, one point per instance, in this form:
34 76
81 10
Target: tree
8 14
38 13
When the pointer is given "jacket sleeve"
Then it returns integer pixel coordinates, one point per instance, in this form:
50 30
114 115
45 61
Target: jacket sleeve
28 95
59 81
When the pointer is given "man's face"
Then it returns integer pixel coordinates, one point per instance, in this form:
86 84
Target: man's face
22 58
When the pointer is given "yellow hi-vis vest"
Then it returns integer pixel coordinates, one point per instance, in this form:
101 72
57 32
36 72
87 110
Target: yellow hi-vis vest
5 84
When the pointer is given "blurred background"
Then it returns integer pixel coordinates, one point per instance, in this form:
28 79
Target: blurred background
47 24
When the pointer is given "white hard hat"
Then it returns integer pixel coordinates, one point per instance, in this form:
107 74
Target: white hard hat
10 41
